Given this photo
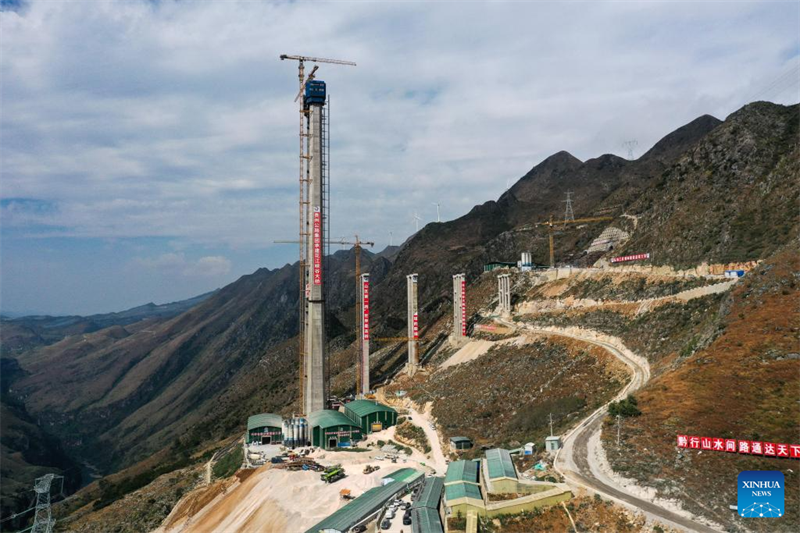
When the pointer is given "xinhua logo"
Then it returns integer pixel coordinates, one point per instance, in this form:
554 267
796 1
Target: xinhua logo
761 494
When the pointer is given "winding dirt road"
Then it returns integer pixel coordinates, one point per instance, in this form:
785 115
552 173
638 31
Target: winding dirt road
573 460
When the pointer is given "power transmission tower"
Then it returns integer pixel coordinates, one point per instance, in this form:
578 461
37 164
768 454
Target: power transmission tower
618 429
551 424
630 146
569 216
43 521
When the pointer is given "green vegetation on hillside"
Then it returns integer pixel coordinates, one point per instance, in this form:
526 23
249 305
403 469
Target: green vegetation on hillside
414 434
625 408
228 464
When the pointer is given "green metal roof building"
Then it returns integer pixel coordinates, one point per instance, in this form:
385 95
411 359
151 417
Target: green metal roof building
426 520
462 471
494 265
370 415
331 429
431 494
501 476
499 464
367 506
461 498
457 491
265 428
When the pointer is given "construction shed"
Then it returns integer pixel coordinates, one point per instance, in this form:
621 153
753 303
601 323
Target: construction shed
462 472
370 415
460 443
426 520
265 428
368 506
332 429
499 471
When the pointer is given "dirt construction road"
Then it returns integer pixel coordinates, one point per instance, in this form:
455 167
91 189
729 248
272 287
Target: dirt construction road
573 460
438 461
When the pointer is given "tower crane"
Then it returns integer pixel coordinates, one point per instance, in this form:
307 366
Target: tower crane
357 244
551 224
304 194
301 67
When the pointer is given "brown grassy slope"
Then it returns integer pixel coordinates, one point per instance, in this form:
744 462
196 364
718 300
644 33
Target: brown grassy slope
745 385
503 398
141 510
590 514
483 234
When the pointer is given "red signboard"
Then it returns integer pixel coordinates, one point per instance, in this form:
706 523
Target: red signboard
748 447
317 235
365 296
635 257
463 307
416 327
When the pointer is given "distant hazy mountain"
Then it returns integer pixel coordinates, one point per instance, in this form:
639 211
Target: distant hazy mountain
26 332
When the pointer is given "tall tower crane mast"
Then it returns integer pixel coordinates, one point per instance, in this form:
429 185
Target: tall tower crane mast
314 224
362 361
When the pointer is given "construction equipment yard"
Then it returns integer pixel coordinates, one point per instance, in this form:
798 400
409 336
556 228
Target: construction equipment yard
269 498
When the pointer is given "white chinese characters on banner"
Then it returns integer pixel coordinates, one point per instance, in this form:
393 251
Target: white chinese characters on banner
749 447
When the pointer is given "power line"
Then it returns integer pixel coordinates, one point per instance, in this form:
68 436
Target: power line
15 515
786 79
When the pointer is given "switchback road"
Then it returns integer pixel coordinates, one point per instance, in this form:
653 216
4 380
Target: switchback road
573 460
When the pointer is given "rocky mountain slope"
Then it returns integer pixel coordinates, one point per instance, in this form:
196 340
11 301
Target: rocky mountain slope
488 232
732 197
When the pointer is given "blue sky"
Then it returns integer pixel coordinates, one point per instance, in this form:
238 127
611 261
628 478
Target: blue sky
149 148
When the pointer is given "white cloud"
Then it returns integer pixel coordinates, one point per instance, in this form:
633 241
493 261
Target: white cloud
177 264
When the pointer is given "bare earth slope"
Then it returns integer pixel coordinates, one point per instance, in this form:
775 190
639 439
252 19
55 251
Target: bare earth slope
744 385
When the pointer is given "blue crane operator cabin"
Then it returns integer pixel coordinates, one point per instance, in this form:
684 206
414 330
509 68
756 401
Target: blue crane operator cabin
315 92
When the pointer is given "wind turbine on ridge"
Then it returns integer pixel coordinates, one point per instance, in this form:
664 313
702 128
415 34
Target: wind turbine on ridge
417 218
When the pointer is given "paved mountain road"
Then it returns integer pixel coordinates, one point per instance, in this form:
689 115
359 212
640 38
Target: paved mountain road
573 462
